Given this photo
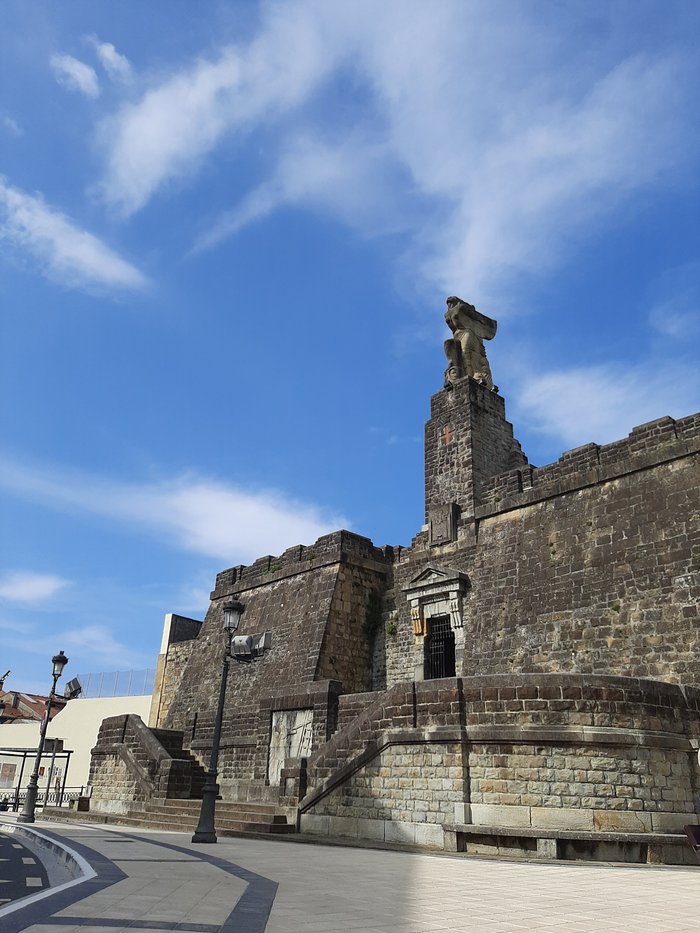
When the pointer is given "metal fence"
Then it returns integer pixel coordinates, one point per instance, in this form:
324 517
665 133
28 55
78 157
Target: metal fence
14 799
117 683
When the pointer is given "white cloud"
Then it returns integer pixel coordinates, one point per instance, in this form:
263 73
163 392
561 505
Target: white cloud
11 125
675 312
165 135
323 176
64 251
97 642
603 403
193 597
506 137
25 587
117 66
190 512
573 163
75 75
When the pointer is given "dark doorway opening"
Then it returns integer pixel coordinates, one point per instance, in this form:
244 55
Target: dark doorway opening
439 649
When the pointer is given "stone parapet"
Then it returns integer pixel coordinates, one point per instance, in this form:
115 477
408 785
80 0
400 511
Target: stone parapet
647 445
329 549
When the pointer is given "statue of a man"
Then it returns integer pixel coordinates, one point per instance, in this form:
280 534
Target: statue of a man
465 352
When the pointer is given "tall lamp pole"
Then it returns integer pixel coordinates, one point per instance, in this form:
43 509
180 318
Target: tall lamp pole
205 831
59 661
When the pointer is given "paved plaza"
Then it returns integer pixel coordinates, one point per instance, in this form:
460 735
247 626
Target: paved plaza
160 881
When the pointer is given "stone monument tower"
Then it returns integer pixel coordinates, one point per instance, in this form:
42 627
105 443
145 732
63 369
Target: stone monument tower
467 439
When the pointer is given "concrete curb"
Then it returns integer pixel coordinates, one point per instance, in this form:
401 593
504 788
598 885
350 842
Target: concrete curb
57 855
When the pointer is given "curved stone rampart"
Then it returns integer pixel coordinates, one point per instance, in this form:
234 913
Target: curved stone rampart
562 751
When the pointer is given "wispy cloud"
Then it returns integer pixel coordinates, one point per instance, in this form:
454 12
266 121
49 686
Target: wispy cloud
603 403
75 75
64 251
11 125
193 597
505 155
526 195
323 176
190 512
21 586
117 66
98 644
174 126
675 310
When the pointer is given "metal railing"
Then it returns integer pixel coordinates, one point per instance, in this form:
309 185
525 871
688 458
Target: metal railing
117 683
66 797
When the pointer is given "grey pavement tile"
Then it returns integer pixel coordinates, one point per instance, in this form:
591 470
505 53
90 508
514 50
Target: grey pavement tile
323 890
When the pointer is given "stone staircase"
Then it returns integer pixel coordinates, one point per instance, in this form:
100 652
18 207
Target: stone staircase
172 743
232 819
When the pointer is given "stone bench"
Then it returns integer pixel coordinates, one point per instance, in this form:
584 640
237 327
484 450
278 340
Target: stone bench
541 842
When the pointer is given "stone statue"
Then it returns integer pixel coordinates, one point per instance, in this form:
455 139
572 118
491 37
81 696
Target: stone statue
465 351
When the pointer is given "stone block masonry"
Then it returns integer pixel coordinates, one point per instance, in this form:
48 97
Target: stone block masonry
600 754
467 442
531 661
315 602
589 565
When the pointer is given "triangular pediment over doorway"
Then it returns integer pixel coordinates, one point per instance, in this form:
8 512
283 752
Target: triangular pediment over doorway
432 575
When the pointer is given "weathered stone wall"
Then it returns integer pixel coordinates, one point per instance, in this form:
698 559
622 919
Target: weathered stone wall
348 639
114 786
179 633
607 787
405 794
467 441
168 678
306 597
350 705
545 750
588 565
129 763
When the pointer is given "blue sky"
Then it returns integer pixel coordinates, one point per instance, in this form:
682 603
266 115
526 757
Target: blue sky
227 233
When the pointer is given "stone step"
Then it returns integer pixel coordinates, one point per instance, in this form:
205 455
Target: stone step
223 826
224 813
185 806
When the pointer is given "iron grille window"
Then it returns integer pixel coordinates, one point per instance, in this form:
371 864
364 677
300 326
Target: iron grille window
439 649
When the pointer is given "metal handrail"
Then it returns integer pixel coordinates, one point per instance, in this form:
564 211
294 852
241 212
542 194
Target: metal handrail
53 798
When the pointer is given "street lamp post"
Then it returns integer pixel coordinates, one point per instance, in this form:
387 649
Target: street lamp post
59 661
206 831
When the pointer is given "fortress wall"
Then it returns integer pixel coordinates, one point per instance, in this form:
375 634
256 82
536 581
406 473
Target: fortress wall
467 441
313 601
295 610
594 567
169 671
329 549
553 751
355 616
605 578
648 445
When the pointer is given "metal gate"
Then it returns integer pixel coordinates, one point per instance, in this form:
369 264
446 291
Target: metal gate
439 649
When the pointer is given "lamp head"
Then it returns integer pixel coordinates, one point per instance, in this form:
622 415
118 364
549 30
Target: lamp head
232 616
59 661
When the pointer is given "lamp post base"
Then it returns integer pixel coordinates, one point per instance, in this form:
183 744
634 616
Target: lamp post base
206 831
27 814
